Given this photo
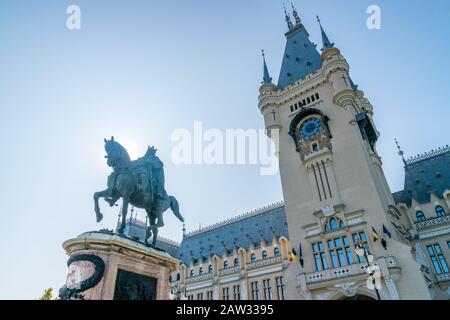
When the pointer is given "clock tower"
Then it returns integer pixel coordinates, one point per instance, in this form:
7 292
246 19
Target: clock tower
336 195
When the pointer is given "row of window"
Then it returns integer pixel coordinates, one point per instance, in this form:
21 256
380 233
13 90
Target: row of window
267 289
264 255
440 212
305 102
338 250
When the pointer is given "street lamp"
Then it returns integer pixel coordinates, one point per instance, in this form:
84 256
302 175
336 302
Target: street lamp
178 292
361 251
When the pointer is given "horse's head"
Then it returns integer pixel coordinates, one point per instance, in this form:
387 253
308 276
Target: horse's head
116 154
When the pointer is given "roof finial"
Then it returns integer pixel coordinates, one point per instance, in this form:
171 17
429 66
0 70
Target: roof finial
295 14
325 41
266 79
400 151
288 18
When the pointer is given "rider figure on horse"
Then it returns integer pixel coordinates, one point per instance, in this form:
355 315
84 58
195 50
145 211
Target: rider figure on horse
157 168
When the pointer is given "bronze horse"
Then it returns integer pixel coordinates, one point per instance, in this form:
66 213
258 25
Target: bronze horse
135 182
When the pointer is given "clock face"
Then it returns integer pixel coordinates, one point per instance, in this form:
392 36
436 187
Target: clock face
310 127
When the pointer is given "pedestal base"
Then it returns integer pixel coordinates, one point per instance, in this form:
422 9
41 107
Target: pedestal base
107 266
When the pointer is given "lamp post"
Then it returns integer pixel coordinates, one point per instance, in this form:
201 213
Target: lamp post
178 292
361 251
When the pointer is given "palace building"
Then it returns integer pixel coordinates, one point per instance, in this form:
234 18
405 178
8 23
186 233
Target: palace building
347 235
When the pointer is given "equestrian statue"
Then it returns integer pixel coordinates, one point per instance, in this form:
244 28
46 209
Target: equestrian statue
139 183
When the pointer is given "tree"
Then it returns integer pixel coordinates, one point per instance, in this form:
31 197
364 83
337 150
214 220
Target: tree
48 295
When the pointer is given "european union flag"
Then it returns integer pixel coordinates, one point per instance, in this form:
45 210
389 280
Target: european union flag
386 231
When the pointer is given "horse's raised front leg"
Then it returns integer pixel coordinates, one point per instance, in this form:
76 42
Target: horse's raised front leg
126 201
98 195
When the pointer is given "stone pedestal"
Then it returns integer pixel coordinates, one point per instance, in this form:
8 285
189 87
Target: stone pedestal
107 266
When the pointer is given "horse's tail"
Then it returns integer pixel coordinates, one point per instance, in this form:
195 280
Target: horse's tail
175 208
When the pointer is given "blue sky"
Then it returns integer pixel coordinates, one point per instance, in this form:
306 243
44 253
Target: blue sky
138 70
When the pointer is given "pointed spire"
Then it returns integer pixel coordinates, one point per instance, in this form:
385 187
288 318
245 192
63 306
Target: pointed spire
266 79
326 42
400 152
295 14
288 18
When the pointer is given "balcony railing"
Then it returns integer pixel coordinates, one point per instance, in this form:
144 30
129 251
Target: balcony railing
264 262
347 271
227 271
200 277
432 222
443 277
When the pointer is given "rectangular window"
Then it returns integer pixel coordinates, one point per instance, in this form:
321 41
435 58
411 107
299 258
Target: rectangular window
226 294
317 96
296 106
267 289
437 258
340 251
304 102
209 295
334 259
255 290
319 256
237 292
342 259
308 100
362 236
292 108
280 288
200 296
190 297
313 98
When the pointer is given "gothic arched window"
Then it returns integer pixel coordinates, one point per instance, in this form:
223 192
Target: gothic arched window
210 268
253 257
440 211
333 224
420 216
276 252
178 276
236 262
264 254
225 264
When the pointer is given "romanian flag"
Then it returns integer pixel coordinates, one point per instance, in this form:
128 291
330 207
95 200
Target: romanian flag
293 254
375 235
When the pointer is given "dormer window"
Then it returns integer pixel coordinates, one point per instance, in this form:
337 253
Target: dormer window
420 216
253 257
236 262
440 211
210 268
264 255
314 147
225 264
200 271
276 252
